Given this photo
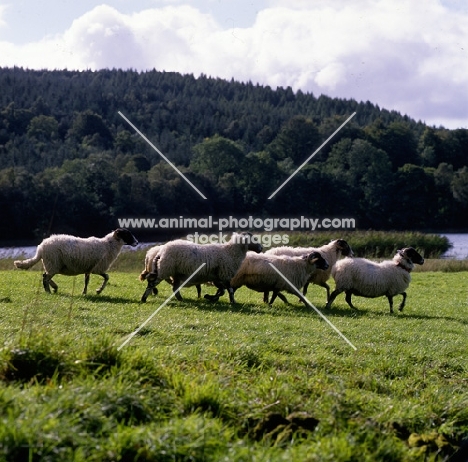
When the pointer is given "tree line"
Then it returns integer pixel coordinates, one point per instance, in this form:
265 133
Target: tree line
70 163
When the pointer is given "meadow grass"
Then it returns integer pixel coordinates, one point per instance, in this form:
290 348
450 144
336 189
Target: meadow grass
215 382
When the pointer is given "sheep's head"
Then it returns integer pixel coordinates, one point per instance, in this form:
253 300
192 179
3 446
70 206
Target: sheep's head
409 253
248 239
126 236
255 247
343 247
315 258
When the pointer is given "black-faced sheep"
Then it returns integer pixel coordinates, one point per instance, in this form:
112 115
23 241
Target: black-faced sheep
257 274
179 259
150 256
331 252
71 255
364 278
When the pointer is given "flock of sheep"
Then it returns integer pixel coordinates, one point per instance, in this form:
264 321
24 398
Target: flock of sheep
239 262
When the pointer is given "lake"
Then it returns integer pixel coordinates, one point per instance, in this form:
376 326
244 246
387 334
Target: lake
459 251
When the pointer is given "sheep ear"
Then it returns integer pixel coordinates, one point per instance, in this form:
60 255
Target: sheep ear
119 233
413 255
406 252
312 257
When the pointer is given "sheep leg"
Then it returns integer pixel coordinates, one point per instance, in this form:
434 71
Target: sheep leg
175 286
303 300
86 282
402 305
304 291
214 298
47 282
390 302
265 297
54 286
152 283
146 293
106 280
219 293
231 295
273 297
326 287
280 296
323 284
198 286
349 294
333 295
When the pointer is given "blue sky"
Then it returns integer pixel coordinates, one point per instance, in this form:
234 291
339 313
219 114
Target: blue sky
29 20
406 55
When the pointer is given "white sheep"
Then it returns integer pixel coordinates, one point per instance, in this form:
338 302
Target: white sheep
151 254
179 259
331 252
365 278
257 274
71 255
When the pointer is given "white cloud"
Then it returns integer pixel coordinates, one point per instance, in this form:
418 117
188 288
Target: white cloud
400 54
104 38
331 75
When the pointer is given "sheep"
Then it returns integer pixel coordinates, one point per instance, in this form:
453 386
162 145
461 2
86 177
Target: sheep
71 255
257 274
151 254
331 252
179 259
364 278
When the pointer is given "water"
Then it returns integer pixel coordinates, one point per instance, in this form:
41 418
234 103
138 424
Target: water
459 251
17 252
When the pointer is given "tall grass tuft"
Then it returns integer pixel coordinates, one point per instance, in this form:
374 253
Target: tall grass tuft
36 360
377 244
445 266
101 355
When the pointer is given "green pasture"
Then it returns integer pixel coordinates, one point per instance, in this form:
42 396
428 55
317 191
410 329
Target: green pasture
215 382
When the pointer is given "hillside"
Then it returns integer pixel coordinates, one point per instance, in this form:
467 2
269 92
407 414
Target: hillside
70 163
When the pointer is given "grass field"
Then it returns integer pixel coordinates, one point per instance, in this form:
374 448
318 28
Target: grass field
215 382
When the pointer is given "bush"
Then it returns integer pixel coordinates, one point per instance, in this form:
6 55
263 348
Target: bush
377 244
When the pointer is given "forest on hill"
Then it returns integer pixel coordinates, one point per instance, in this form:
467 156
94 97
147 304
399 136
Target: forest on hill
70 163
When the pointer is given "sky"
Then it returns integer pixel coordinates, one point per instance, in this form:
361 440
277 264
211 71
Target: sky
405 55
